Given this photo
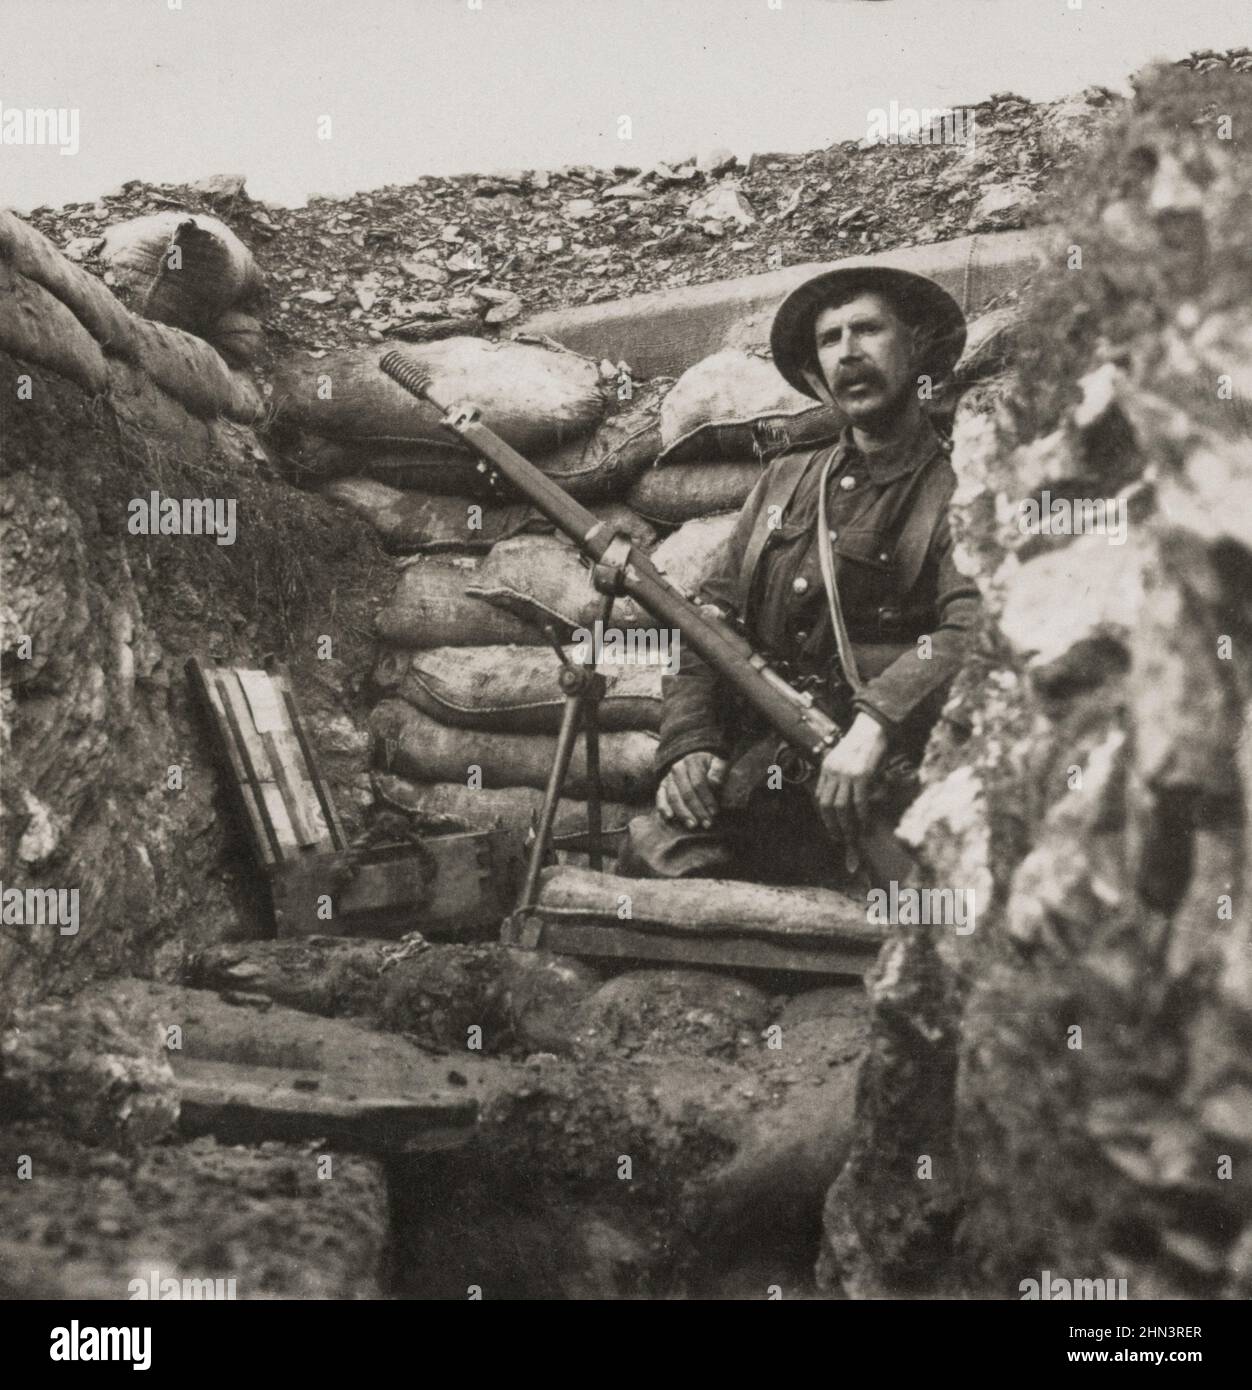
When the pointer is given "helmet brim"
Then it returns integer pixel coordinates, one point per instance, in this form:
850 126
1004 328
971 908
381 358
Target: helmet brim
922 301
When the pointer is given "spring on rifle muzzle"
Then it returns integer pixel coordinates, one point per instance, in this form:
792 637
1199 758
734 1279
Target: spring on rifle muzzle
414 378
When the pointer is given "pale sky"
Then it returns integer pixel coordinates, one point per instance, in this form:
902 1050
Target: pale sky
173 90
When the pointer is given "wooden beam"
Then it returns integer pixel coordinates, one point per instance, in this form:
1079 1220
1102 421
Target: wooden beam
614 942
240 1104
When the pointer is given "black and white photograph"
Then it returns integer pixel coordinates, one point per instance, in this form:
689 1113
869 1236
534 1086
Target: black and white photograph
626 651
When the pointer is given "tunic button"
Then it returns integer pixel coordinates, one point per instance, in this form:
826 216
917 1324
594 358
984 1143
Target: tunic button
847 482
799 584
883 556
802 636
834 535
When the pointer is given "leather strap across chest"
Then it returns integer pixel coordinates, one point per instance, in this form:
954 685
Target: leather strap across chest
925 499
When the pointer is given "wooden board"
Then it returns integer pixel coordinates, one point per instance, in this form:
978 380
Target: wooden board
286 804
449 886
240 1104
607 941
454 886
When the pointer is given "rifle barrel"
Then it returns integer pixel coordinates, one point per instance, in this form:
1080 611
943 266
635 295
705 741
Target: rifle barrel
799 721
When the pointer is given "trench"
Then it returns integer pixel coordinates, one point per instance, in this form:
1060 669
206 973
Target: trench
536 1206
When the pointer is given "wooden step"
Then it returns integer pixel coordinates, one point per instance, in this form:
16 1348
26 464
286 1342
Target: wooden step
241 1104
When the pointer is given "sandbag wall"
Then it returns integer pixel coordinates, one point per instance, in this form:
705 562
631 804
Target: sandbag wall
62 318
469 701
467 679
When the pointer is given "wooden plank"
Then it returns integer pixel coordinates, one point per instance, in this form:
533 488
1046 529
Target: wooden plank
451 887
310 831
264 702
252 750
709 908
241 1104
291 756
272 721
615 942
282 682
265 846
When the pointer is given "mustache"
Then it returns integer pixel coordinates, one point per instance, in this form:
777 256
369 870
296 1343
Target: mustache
856 376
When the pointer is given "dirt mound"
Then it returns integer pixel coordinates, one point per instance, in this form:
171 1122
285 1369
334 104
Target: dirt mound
1069 1078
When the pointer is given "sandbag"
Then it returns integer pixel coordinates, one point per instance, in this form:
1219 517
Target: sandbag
454 806
410 522
687 557
239 337
179 268
735 405
514 689
95 306
37 328
183 366
193 372
430 608
666 331
686 490
617 516
411 743
536 397
617 453
414 521
544 580
990 345
147 412
433 466
707 907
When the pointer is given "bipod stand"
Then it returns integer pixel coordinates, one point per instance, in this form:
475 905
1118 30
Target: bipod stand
583 688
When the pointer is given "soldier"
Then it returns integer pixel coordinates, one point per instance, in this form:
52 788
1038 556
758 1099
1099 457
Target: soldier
840 571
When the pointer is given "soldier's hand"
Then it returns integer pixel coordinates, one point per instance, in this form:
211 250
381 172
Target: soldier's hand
689 790
847 773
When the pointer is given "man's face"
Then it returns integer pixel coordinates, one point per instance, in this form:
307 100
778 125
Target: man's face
866 355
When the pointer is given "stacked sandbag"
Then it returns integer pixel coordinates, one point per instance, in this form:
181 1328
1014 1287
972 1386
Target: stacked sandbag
55 315
187 270
470 733
448 807
721 421
429 607
513 689
538 399
682 492
534 396
411 523
239 337
734 405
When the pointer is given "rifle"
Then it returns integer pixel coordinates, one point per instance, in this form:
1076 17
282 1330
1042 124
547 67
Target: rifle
619 567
